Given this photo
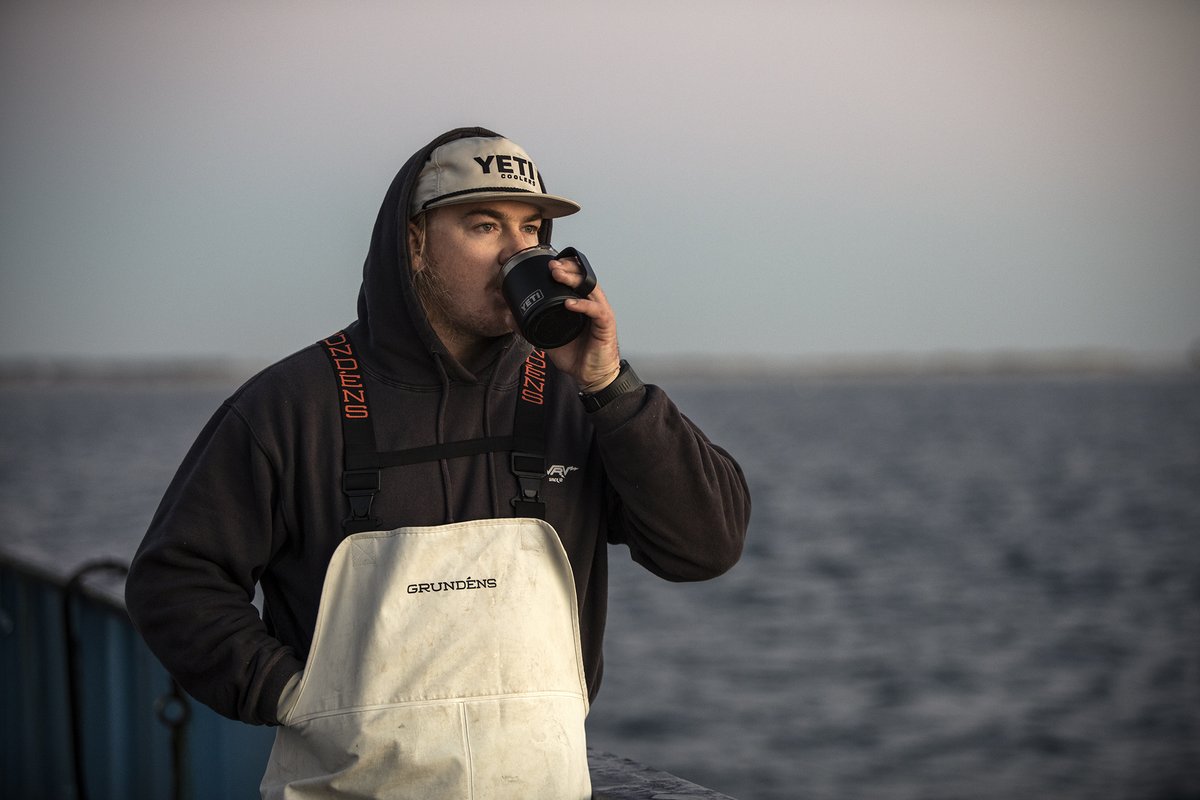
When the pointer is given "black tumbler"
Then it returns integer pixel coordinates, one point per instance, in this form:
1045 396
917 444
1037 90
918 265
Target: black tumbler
538 302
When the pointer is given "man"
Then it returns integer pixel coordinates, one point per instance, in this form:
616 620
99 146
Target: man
433 603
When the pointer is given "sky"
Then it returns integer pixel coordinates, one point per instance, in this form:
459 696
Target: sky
759 179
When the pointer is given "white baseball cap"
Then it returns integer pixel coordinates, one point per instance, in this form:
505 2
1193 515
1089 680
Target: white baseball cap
484 168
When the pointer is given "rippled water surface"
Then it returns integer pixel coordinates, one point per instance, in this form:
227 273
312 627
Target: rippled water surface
977 588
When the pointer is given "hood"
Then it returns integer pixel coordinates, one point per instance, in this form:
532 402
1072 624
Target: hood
392 332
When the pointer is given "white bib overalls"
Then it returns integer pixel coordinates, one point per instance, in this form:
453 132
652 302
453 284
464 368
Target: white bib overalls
445 664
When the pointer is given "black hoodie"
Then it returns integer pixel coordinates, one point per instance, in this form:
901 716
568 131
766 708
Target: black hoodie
258 498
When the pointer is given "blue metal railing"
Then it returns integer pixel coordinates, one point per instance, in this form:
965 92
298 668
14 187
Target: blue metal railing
87 712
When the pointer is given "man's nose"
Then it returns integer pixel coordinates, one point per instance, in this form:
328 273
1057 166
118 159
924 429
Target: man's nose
514 242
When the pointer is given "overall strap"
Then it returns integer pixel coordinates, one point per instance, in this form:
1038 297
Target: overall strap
363 462
528 459
360 483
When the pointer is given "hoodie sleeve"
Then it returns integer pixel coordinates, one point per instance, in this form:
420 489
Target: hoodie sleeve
192 581
678 501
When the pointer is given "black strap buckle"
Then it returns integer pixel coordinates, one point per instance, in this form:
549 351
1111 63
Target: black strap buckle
529 468
361 486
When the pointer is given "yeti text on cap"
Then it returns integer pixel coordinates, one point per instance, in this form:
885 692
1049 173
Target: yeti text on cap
524 169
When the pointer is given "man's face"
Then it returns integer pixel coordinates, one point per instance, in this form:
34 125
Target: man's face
456 269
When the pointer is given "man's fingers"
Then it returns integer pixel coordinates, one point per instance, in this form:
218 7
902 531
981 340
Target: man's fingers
567 272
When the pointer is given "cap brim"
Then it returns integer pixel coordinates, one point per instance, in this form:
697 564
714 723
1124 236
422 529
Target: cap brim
550 205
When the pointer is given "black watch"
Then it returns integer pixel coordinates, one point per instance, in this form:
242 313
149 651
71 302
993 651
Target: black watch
626 381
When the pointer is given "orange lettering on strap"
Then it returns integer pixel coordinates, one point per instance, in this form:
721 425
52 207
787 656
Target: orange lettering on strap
533 379
354 394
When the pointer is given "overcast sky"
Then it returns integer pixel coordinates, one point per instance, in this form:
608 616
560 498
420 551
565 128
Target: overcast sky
778 178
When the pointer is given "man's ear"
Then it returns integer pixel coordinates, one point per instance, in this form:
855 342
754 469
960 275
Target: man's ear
416 242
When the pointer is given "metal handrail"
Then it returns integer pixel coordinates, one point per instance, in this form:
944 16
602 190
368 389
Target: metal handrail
74 671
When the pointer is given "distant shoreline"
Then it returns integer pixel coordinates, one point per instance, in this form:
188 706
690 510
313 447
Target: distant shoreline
185 371
947 364
200 371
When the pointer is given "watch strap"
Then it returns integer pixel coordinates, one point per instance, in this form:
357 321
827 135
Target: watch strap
626 381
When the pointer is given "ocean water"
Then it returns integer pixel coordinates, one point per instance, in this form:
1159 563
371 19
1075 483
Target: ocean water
983 587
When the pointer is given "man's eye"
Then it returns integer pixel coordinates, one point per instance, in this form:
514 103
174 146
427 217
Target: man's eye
532 229
486 227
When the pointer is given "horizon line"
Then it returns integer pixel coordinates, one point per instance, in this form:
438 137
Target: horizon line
1005 361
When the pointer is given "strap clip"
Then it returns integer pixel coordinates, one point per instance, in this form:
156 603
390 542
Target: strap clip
361 486
529 468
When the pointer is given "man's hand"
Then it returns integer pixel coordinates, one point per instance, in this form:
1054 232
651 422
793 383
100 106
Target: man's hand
594 358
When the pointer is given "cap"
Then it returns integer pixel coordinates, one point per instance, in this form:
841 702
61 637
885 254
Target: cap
484 168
